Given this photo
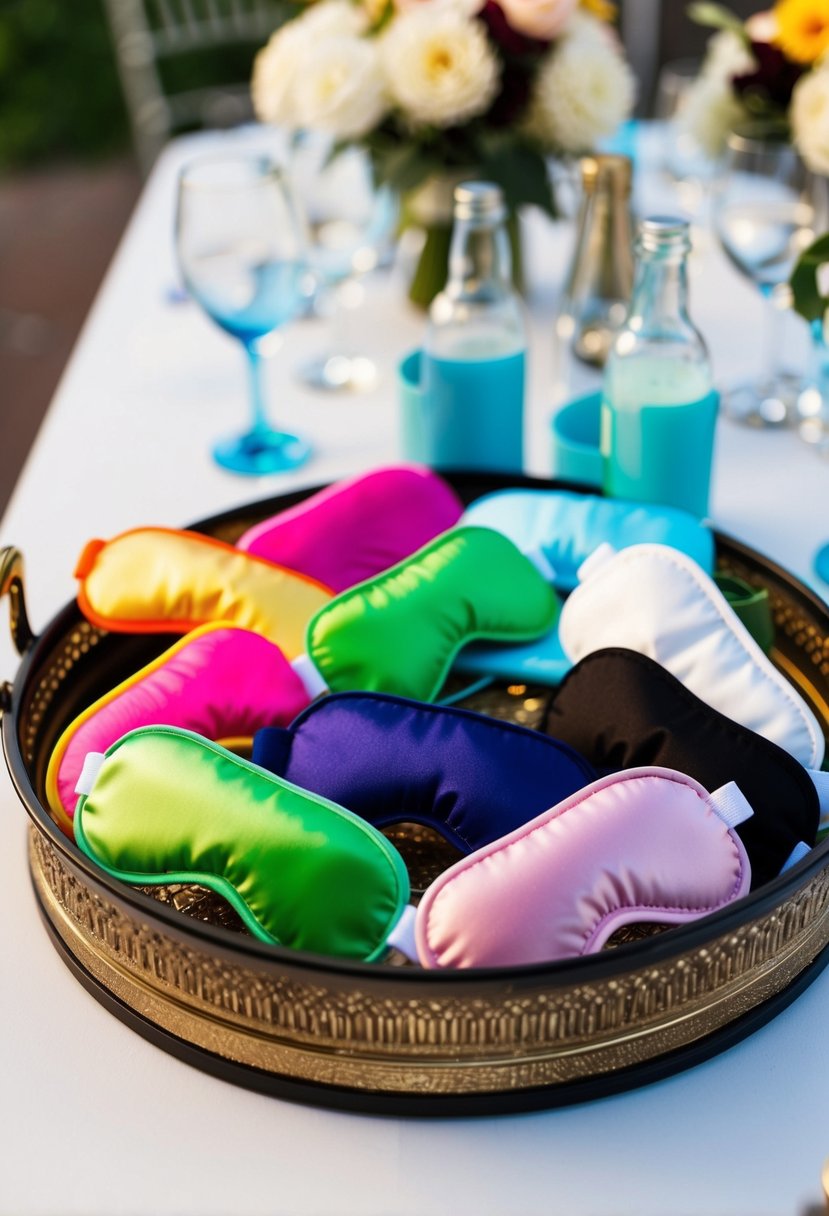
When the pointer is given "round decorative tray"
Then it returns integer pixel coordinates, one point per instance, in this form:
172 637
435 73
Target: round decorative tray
174 963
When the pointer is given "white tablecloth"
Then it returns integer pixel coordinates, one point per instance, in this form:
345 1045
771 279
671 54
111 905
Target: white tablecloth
98 1122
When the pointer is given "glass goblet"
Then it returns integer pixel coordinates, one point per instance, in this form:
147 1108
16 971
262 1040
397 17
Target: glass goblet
351 226
768 208
240 245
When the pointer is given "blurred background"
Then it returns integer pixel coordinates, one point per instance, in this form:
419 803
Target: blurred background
89 91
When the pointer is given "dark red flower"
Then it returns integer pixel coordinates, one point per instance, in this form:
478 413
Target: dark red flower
509 40
773 79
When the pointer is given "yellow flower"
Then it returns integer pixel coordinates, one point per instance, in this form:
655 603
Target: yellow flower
605 10
802 29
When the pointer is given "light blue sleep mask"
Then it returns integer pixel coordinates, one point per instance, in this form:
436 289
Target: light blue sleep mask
566 527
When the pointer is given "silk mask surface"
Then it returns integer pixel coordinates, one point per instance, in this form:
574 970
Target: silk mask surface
400 631
160 580
622 710
167 806
470 777
354 529
646 845
219 681
658 602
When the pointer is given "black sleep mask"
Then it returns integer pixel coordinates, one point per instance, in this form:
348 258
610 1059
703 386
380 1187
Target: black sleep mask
620 710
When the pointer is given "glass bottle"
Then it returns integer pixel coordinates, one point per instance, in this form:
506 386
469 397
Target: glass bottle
599 282
474 352
658 405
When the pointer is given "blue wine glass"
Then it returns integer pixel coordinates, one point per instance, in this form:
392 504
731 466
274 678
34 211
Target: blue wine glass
241 249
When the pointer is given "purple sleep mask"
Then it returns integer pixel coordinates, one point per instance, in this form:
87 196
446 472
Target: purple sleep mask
646 845
354 529
470 777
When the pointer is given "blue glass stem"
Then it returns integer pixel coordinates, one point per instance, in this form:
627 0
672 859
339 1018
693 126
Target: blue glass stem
260 425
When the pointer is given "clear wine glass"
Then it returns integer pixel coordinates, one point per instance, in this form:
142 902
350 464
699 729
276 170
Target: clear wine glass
240 243
767 210
351 225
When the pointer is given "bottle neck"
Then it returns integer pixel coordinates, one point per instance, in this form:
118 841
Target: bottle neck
480 261
660 292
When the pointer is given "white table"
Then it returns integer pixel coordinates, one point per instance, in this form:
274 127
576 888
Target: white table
94 1120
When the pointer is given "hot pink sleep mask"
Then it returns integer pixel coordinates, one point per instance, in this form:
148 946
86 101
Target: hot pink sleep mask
646 845
355 529
219 681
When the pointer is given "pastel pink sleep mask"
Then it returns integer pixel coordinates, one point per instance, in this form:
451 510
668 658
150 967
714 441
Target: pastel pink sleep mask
355 529
648 844
220 681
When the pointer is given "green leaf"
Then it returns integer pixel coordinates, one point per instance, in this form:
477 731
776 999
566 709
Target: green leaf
717 17
520 171
808 300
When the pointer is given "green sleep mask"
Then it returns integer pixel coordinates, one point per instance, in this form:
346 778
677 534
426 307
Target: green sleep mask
164 805
400 631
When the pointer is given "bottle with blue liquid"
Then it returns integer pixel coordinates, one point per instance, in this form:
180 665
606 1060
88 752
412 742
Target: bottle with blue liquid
659 407
474 353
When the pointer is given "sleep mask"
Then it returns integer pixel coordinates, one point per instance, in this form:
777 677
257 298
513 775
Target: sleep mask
400 631
352 530
166 806
568 527
645 845
160 580
470 777
622 710
544 661
219 681
654 600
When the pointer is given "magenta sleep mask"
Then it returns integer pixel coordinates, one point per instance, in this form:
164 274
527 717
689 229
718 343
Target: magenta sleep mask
646 845
355 529
388 759
219 681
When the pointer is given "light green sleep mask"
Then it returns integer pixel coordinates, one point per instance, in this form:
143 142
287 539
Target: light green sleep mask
164 805
399 632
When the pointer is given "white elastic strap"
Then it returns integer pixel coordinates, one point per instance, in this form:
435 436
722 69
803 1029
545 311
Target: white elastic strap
314 684
731 804
821 784
402 936
800 850
542 563
91 768
600 556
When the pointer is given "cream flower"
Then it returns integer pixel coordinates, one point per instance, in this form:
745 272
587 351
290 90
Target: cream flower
583 91
810 119
542 19
283 60
468 7
709 111
274 70
340 88
439 66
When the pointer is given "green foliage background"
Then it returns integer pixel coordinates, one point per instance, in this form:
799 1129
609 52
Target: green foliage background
59 89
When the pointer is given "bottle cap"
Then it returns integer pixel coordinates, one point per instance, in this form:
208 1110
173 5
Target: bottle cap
607 169
479 201
664 232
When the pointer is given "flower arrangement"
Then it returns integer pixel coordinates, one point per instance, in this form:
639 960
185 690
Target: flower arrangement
774 67
439 89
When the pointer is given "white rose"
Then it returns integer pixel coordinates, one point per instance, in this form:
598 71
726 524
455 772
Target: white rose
710 110
583 91
542 19
439 66
281 63
331 19
810 119
468 7
340 89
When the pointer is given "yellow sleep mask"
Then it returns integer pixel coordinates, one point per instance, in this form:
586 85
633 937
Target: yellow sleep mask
162 580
